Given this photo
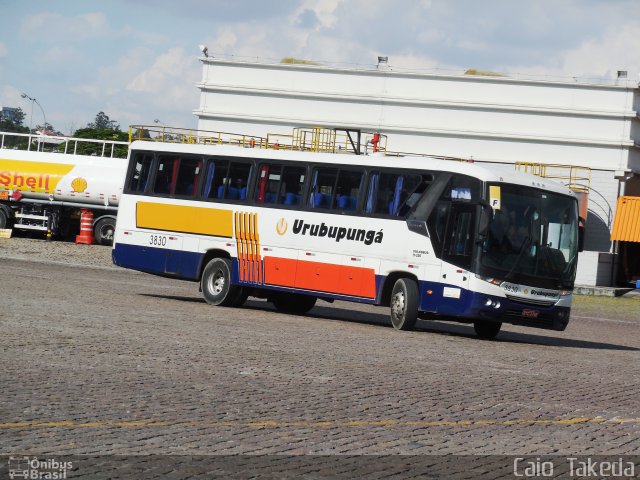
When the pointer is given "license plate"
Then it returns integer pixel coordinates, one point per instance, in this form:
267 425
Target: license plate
4 195
529 313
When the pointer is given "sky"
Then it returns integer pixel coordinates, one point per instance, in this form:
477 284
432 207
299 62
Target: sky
138 61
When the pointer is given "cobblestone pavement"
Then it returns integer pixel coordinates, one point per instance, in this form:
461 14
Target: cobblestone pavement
101 361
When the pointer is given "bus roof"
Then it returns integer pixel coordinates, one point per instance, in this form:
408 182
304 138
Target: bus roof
417 162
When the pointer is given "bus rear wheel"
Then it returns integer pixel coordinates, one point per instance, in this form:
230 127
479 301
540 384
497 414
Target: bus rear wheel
293 303
404 304
487 330
216 284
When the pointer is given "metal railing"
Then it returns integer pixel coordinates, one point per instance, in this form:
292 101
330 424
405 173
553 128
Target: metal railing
64 145
316 139
576 178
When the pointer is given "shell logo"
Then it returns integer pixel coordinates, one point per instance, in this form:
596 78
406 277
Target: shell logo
282 226
79 185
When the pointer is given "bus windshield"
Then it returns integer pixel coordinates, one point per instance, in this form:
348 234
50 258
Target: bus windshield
531 237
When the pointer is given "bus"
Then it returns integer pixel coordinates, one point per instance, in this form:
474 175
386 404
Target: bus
427 237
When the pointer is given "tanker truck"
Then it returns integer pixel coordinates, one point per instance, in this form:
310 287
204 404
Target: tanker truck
45 182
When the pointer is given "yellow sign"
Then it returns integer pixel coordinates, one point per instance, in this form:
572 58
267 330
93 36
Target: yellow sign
32 176
494 196
185 219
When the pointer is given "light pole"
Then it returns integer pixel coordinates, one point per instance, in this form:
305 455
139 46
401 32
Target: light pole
33 100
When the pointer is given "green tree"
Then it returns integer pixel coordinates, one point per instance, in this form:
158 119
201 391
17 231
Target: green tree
102 122
91 148
14 125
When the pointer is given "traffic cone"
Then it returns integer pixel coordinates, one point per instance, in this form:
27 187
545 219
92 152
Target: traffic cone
86 227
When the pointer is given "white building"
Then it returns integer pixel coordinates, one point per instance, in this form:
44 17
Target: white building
488 118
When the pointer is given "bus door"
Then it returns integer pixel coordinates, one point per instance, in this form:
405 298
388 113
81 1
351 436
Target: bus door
457 250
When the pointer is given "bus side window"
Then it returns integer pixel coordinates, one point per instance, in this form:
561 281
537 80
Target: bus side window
214 182
140 175
348 188
292 185
280 184
268 184
323 187
166 175
395 194
237 181
188 175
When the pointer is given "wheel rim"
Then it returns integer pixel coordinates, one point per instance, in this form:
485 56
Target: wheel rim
398 305
217 282
106 232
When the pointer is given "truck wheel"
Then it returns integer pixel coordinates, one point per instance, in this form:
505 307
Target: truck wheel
293 303
404 304
103 231
4 219
486 330
216 284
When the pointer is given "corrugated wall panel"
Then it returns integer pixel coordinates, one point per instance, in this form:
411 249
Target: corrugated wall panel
626 225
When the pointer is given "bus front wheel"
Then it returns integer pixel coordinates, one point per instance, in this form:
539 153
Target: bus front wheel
404 304
487 330
216 284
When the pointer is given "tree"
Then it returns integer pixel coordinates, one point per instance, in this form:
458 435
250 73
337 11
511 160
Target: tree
102 122
47 127
13 124
91 148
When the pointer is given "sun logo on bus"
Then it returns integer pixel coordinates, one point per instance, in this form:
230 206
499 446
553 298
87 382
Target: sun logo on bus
281 226
79 185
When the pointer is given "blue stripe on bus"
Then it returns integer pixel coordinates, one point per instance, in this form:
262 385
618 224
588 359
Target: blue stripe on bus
161 261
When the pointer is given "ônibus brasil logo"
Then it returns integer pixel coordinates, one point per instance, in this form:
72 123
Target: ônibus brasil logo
300 227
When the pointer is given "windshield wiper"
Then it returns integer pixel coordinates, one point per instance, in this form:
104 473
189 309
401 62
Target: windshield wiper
525 244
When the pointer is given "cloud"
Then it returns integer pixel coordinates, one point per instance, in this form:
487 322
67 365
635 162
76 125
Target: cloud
57 27
168 84
3 50
598 57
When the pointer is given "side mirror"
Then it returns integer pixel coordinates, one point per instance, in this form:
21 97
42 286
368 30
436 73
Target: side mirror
581 228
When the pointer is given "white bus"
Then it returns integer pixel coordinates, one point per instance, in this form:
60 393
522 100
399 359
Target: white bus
429 238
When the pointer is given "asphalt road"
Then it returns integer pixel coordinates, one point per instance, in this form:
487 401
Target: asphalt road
102 361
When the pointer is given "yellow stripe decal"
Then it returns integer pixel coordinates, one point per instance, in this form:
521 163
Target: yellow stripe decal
181 218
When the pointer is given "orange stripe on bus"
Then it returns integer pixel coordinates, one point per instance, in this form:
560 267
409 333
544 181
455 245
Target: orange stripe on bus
318 276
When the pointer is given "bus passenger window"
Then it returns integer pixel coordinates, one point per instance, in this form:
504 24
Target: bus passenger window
188 175
292 185
214 181
279 184
322 187
335 189
141 172
395 194
238 181
166 175
347 190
